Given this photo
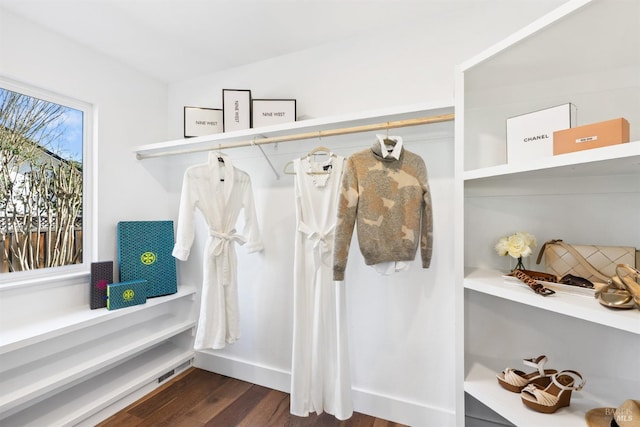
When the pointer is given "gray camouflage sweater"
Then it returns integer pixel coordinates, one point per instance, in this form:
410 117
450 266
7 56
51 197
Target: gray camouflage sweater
390 201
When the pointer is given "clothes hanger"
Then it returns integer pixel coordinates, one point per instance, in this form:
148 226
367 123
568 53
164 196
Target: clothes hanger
322 151
213 156
388 140
220 159
288 168
319 150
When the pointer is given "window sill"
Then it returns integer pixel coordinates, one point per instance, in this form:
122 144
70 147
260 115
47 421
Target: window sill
50 279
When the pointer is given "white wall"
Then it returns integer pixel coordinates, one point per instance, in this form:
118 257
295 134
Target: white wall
401 327
404 63
130 110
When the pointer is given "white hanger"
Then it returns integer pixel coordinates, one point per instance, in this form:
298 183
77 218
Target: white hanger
319 150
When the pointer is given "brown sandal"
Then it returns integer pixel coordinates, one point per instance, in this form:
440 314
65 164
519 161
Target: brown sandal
515 380
554 396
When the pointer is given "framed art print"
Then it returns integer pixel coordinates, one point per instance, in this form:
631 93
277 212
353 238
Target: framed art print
202 121
267 112
236 104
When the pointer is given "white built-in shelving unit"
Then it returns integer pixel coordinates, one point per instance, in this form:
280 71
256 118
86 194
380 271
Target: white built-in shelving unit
66 368
587 53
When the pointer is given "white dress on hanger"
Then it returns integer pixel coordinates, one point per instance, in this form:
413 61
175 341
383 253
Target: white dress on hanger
220 191
320 374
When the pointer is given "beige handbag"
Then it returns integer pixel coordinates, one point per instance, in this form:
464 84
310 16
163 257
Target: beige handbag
594 263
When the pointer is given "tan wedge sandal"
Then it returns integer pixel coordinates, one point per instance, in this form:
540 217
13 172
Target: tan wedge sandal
554 396
515 380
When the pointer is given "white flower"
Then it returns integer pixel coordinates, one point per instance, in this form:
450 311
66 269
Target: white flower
517 245
502 247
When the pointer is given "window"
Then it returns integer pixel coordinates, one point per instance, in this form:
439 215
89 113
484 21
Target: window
44 185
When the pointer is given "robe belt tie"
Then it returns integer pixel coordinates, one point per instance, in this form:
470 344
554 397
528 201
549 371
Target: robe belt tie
221 247
323 243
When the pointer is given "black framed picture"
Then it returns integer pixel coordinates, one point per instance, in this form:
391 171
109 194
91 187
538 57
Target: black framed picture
267 112
236 104
202 121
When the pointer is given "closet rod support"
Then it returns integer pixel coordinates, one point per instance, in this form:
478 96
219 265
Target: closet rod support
267 159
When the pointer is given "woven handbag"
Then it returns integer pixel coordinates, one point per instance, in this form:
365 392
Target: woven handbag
592 262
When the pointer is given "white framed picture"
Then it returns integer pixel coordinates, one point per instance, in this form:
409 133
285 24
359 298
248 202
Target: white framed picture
236 104
202 121
268 112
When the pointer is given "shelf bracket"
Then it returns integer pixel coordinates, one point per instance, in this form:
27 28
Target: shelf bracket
253 142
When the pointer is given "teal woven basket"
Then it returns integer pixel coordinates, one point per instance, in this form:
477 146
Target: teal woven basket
144 252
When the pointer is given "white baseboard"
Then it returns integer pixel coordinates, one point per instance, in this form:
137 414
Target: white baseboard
414 414
367 402
265 376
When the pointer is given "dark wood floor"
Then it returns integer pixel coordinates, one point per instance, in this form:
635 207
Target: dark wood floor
198 398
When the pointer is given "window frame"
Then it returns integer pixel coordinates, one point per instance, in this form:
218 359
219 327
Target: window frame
61 274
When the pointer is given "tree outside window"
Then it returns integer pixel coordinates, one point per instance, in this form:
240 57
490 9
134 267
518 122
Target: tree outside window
41 183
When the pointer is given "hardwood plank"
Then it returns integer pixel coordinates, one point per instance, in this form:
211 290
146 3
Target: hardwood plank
233 414
219 399
175 401
130 420
124 419
272 410
198 398
383 423
187 421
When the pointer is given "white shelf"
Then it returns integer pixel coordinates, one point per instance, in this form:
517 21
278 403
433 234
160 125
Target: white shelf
312 125
87 398
491 282
481 383
612 160
28 382
82 317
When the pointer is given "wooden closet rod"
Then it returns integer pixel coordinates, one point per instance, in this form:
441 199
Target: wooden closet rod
311 135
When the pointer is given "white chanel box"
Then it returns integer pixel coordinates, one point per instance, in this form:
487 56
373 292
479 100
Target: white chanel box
530 136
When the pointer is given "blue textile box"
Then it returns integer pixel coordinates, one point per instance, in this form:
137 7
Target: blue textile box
144 252
126 294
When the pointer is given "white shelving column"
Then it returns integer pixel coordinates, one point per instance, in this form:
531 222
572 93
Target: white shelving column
586 52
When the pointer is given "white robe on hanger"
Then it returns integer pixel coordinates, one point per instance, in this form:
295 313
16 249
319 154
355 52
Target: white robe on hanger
219 191
320 374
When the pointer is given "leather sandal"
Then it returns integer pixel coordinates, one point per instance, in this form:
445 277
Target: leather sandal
623 292
610 296
554 396
629 277
515 380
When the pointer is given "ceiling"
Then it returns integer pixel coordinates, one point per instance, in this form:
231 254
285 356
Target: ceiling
173 40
